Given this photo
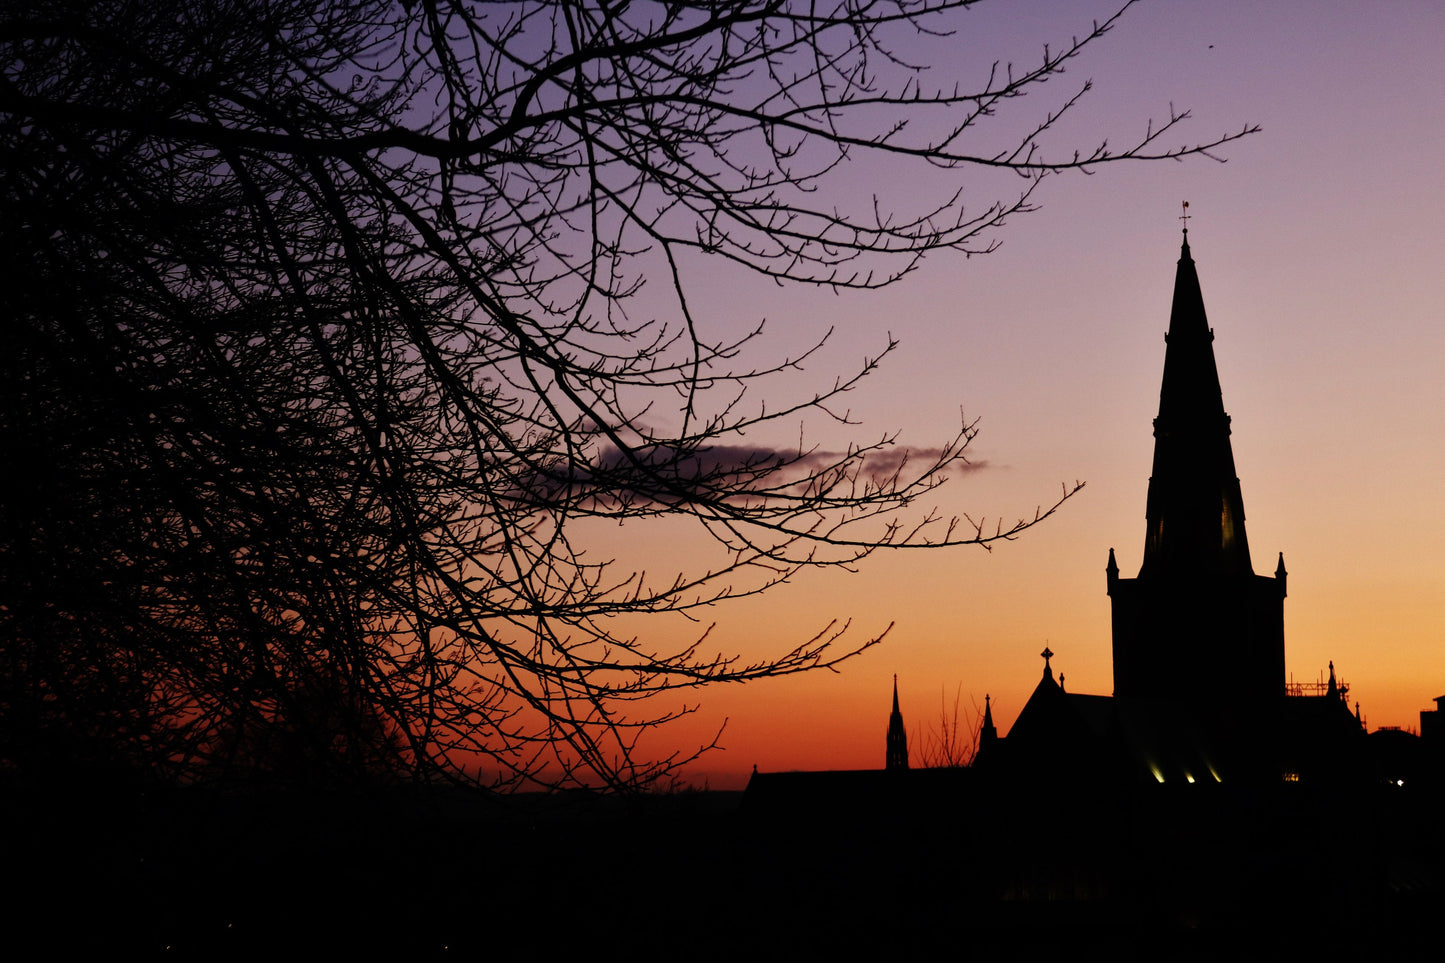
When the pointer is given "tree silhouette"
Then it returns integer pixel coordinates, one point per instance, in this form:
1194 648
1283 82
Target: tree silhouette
954 743
334 329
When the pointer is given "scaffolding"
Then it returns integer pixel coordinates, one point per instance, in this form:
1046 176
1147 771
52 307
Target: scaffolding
1316 690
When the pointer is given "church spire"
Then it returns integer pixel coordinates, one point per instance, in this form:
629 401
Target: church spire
1195 511
897 757
1196 597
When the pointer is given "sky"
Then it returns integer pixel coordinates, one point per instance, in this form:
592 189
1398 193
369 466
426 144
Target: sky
1315 249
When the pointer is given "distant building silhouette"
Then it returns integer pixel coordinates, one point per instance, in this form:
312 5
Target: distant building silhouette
1432 721
1206 790
897 757
1198 637
1200 691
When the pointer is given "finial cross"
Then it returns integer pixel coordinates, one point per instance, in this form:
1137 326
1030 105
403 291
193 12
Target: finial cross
1047 656
1185 217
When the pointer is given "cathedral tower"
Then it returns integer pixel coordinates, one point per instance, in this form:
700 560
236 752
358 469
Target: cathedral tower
1196 624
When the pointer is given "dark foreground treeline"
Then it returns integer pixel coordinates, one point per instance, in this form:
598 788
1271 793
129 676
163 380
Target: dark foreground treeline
1028 873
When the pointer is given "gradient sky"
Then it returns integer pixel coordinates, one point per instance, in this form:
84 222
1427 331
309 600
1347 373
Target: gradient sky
1315 248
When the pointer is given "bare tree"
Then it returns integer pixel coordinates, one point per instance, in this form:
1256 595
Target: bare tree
954 743
334 327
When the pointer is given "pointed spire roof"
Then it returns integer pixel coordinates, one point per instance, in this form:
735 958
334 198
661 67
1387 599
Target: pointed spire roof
1195 511
896 756
987 733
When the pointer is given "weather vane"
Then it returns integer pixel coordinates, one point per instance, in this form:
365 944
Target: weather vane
1185 217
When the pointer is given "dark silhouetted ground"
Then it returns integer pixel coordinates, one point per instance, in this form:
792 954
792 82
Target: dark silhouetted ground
1211 875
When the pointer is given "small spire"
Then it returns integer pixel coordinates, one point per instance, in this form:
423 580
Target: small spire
1279 571
987 733
896 756
1113 568
1334 689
